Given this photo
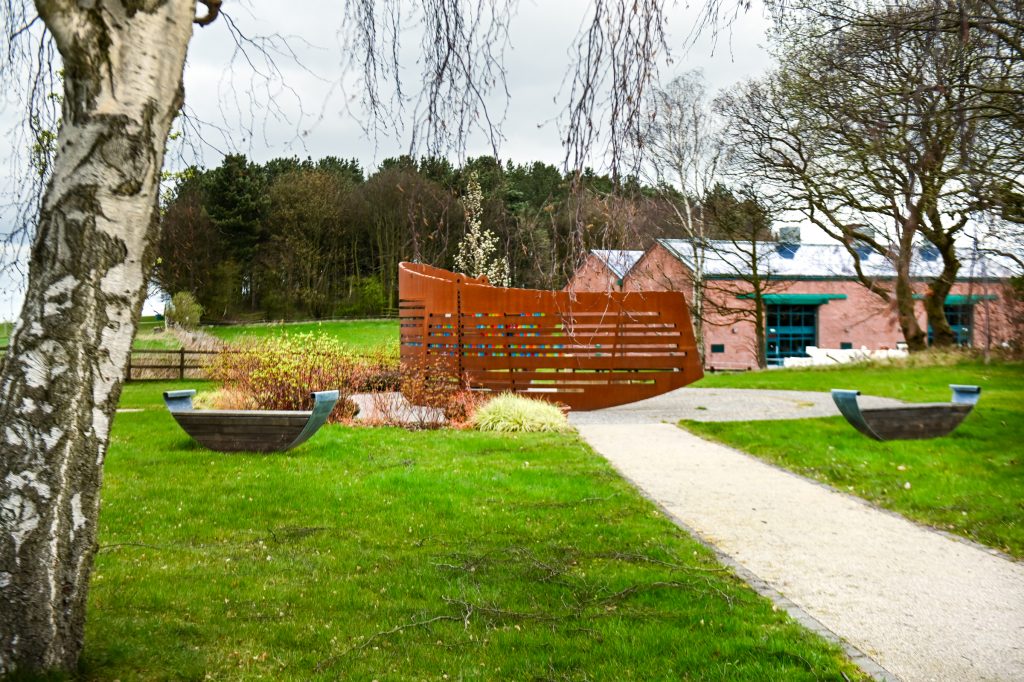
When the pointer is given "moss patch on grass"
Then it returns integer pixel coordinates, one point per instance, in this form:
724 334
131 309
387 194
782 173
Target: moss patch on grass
386 554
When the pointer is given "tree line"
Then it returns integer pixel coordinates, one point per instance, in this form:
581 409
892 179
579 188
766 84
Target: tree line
291 239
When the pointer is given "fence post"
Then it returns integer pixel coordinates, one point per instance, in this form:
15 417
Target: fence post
181 364
129 377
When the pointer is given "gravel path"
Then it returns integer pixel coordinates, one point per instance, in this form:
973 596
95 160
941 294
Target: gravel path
723 405
922 605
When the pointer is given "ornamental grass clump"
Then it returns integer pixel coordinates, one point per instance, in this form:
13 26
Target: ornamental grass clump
279 373
511 413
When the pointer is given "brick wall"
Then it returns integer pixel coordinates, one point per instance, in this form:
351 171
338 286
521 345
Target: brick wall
593 275
862 319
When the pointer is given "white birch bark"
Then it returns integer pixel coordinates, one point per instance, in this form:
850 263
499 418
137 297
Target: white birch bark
61 379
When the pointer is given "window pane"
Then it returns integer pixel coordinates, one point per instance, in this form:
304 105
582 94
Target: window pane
791 328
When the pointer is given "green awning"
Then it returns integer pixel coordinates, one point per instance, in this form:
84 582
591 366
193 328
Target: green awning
797 299
958 299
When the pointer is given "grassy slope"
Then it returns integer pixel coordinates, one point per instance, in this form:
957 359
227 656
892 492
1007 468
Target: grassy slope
358 334
971 482
502 557
148 338
355 333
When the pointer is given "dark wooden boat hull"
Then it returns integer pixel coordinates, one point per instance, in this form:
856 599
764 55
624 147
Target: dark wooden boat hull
908 422
587 350
249 430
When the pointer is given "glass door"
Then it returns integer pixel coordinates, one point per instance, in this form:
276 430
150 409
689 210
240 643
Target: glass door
790 329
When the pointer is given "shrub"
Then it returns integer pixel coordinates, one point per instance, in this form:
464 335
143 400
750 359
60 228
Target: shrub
279 373
184 310
429 382
433 394
461 407
510 412
366 297
224 399
377 371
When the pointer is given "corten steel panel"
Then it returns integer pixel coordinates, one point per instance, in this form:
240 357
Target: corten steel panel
587 350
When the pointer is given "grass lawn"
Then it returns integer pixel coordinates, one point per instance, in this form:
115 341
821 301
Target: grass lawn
392 555
361 334
5 332
970 483
357 334
150 336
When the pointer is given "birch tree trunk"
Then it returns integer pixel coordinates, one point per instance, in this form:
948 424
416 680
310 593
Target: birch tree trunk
695 231
61 379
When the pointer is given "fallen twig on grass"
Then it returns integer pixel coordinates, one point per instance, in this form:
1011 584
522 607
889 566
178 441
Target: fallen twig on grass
327 662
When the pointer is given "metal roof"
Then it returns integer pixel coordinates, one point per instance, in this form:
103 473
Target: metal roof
618 261
783 261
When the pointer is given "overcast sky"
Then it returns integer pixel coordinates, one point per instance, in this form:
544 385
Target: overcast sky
542 34
315 118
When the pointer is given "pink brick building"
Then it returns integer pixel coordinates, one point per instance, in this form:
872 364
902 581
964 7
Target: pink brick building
812 296
603 270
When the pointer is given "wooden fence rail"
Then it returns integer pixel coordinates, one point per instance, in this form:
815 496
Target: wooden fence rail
157 364
169 364
588 350
181 364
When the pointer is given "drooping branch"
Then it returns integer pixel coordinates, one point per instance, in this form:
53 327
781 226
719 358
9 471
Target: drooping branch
29 65
461 70
615 66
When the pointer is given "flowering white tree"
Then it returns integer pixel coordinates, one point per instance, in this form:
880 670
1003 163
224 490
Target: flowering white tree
478 250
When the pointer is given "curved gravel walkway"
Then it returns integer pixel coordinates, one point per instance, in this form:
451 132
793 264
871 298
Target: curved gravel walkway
921 604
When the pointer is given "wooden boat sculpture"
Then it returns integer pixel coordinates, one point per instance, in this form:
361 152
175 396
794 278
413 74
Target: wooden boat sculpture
249 430
587 350
906 422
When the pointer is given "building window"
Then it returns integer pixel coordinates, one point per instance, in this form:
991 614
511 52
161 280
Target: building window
845 345
961 319
790 329
718 348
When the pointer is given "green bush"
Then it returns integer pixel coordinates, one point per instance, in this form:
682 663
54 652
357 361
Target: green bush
509 412
365 297
184 310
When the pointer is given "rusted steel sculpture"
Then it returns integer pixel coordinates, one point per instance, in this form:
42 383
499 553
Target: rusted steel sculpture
249 430
587 350
908 422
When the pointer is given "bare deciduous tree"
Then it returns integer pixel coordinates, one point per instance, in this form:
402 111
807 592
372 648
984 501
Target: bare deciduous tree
683 154
95 232
742 258
91 258
869 132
